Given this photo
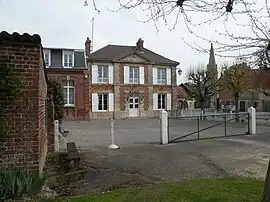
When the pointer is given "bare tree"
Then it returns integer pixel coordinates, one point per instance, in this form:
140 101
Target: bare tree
255 42
203 85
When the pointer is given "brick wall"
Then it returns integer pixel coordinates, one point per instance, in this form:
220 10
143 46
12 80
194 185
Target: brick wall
26 142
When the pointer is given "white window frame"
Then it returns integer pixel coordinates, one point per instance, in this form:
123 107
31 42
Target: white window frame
68 86
161 80
70 53
102 102
47 51
102 79
134 80
160 96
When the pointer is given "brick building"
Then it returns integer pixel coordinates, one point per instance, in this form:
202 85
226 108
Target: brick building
115 81
68 67
25 145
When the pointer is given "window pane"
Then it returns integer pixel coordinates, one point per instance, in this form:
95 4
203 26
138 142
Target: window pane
131 75
105 102
136 106
163 101
71 96
99 71
100 97
136 72
46 59
159 101
71 82
105 72
65 95
135 80
70 60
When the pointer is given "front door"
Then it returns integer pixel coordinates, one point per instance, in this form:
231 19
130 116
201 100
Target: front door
133 106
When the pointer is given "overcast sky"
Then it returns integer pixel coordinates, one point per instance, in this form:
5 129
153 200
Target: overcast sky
66 23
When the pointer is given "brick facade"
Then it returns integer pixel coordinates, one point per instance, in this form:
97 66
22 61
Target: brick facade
26 142
122 91
81 85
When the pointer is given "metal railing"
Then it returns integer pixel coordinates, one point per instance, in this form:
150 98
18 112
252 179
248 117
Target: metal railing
219 118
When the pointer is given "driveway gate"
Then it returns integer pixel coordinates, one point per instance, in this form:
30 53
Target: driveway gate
186 128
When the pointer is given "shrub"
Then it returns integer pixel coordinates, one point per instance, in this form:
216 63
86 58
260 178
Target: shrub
56 99
17 183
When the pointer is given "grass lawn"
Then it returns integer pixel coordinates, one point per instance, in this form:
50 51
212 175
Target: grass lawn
200 190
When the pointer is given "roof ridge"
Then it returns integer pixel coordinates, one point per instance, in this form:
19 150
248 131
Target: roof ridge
160 55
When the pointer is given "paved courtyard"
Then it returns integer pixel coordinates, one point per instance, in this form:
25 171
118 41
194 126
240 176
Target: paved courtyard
96 133
141 159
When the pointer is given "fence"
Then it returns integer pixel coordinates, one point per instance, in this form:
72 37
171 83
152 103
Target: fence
183 128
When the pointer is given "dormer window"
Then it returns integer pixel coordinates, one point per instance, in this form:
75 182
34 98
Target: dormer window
68 58
47 57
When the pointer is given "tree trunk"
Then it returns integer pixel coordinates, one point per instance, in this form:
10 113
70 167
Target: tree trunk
266 191
236 99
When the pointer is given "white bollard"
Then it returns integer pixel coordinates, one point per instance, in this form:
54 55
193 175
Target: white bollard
56 136
113 145
164 138
252 121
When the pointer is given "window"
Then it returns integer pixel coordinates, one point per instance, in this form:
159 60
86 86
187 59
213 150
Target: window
46 54
161 76
68 92
68 58
103 102
161 101
133 75
103 74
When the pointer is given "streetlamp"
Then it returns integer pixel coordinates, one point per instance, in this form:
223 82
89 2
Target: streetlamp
179 71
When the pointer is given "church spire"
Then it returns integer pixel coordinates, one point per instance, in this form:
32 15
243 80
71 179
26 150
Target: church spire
212 65
212 60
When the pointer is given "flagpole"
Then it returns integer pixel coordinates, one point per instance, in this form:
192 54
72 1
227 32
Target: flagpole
92 33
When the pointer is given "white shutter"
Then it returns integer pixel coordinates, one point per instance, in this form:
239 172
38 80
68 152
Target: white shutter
169 77
111 102
154 75
94 73
111 74
169 101
141 75
94 102
155 101
126 74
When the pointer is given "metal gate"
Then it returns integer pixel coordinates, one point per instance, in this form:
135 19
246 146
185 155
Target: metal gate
187 128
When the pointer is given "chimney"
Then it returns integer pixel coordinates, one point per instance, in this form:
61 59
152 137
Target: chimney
139 45
87 48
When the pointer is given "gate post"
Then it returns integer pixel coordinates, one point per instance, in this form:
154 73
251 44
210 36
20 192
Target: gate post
164 138
252 122
56 136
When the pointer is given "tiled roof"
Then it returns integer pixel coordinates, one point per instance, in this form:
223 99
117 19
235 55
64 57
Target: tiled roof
183 92
18 38
115 52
